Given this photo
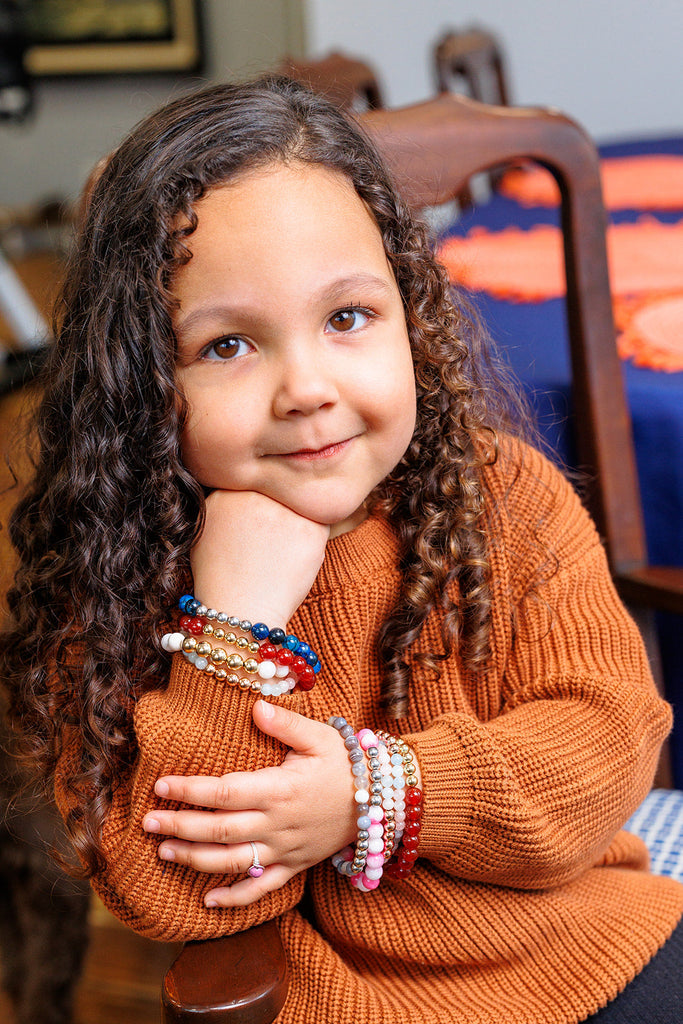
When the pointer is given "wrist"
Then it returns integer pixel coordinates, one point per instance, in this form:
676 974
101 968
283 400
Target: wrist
241 653
238 604
388 796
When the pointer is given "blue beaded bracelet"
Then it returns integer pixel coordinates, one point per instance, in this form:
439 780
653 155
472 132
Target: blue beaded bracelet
189 605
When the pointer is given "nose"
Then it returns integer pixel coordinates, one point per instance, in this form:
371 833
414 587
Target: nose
305 382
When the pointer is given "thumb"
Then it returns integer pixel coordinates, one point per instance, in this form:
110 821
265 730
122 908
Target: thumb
295 731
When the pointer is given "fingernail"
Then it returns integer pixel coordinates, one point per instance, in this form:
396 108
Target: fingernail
210 903
162 789
151 825
166 854
267 709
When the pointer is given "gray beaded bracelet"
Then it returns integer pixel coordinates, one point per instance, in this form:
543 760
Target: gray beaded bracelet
350 862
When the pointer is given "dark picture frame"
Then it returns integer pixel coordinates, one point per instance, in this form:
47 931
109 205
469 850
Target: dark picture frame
111 37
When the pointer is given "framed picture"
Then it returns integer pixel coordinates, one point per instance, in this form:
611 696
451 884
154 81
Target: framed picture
105 37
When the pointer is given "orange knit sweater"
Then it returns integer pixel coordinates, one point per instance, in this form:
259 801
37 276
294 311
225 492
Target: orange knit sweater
528 904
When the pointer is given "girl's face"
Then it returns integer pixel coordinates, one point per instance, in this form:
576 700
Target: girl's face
293 351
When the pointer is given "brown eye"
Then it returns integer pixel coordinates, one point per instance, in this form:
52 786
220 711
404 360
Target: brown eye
348 320
225 348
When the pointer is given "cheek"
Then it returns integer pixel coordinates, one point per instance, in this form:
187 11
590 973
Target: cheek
189 443
386 368
405 403
391 411
210 440
196 428
393 391
406 419
191 449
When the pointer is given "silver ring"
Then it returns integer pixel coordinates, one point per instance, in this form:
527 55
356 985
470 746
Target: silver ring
256 869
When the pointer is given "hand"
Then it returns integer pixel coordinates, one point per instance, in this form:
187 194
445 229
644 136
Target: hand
255 557
297 814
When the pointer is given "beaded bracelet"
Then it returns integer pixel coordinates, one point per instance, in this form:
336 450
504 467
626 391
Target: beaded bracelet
379 775
262 659
362 866
374 751
264 652
267 678
281 660
394 808
393 792
407 852
195 610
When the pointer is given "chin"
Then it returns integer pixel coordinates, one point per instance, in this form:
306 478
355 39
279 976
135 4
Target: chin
340 518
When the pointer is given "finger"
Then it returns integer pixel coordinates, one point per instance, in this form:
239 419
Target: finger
210 858
301 734
248 890
238 791
204 826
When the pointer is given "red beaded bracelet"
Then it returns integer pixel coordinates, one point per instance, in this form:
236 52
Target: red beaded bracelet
407 853
408 850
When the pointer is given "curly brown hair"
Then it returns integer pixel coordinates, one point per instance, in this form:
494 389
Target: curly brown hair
105 527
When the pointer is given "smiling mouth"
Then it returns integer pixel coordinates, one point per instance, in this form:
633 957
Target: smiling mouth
311 454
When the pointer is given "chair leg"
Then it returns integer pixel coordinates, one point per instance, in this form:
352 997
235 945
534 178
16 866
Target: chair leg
238 979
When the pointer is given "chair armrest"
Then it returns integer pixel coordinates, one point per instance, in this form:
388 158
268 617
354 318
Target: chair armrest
238 979
652 586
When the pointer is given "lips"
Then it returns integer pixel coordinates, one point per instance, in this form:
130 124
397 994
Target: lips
310 454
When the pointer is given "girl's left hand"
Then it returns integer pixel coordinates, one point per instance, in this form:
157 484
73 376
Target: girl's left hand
296 814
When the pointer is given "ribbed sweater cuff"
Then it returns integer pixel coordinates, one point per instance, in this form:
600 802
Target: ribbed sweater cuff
447 790
198 717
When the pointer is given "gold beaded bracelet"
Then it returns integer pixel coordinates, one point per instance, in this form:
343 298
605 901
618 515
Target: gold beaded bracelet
217 662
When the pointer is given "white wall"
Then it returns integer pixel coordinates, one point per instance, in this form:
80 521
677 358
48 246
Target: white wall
615 66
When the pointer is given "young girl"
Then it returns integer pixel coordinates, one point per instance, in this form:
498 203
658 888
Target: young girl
264 402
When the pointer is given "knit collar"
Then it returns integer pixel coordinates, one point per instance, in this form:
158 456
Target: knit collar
357 556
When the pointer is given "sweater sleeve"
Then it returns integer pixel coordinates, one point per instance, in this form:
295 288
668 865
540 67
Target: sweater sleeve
196 726
534 795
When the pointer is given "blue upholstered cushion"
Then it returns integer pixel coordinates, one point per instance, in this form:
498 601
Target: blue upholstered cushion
659 822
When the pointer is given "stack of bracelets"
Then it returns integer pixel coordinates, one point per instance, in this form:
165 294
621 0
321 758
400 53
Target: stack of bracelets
272 663
383 766
389 807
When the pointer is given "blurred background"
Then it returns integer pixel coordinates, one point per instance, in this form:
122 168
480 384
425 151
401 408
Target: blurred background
615 67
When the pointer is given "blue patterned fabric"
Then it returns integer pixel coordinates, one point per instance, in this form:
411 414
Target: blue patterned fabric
534 338
659 823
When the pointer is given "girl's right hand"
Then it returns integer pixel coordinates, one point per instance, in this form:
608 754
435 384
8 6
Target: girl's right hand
255 557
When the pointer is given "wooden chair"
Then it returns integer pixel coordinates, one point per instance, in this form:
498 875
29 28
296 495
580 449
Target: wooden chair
433 148
471 62
472 58
239 979
346 81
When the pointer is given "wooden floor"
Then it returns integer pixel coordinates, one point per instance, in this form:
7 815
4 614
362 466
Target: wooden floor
121 983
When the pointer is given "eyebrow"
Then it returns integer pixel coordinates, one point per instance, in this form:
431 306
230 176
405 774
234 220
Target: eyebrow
331 292
346 284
